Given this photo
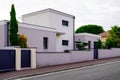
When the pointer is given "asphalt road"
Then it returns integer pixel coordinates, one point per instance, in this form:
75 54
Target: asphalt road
107 71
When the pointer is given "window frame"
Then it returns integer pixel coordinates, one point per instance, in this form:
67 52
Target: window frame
65 23
65 42
45 42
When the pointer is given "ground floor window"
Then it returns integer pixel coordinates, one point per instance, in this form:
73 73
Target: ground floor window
65 42
45 42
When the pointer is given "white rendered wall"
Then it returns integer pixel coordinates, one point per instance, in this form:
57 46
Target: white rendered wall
107 53
35 37
49 59
3 34
116 52
56 22
77 56
38 19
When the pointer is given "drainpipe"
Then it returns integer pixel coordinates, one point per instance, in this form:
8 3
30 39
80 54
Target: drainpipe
73 33
7 31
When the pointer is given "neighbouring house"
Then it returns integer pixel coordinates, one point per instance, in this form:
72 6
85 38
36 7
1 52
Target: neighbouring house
88 38
48 30
104 36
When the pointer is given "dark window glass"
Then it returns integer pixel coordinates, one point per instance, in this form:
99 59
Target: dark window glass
45 42
65 42
65 23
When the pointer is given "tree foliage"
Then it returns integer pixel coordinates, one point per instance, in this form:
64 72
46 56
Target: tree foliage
110 43
114 37
90 28
99 44
13 27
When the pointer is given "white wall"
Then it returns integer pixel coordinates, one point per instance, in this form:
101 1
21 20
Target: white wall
107 53
49 59
3 33
116 52
35 38
77 56
56 22
38 19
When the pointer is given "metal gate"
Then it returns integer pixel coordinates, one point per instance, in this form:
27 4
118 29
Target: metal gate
7 60
25 58
95 51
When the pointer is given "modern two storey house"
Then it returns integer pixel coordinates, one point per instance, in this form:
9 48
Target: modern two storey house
48 30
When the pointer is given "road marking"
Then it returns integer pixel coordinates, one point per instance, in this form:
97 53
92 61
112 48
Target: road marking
76 69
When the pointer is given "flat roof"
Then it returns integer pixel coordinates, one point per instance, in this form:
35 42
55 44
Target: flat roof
87 34
47 10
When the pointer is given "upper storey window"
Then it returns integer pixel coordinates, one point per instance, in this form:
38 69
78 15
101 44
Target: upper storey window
65 23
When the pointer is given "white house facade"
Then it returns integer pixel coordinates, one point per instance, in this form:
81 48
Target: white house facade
48 30
88 38
62 22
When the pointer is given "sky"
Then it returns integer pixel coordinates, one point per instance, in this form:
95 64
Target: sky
101 12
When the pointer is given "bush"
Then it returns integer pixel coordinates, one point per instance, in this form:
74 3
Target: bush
80 45
110 43
66 51
22 41
99 44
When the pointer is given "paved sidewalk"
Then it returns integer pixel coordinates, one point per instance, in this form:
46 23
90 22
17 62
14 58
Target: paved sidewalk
49 69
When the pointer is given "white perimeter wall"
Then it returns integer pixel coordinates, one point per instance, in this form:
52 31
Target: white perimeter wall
49 59
107 53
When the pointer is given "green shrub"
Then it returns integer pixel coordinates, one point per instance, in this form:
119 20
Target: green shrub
99 44
110 43
22 41
66 51
80 45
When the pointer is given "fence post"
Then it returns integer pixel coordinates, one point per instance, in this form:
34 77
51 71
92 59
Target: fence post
18 59
33 58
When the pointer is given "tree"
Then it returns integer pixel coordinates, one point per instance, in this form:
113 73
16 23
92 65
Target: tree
114 37
110 43
13 27
90 28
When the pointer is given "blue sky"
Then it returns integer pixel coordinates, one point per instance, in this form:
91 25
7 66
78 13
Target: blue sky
102 12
